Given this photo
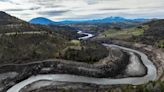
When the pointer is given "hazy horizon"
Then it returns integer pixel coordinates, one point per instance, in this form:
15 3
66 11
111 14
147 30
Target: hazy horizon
59 10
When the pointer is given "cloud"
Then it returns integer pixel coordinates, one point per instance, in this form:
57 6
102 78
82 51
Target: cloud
91 2
4 0
15 9
115 9
34 8
53 12
83 9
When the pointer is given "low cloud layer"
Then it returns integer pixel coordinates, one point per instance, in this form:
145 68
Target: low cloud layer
83 9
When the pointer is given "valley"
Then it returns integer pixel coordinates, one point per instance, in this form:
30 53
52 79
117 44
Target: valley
125 55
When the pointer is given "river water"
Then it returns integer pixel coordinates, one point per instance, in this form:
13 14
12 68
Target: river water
151 73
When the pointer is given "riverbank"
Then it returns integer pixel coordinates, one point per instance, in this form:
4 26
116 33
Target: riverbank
156 55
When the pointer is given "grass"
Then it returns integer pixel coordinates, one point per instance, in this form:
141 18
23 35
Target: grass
160 44
123 33
75 42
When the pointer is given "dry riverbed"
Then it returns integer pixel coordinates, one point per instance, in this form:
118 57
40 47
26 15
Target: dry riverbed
156 55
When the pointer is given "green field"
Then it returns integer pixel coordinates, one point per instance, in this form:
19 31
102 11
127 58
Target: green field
123 33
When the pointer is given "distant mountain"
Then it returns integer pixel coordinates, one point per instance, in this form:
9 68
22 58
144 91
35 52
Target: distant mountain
42 20
112 19
117 19
8 19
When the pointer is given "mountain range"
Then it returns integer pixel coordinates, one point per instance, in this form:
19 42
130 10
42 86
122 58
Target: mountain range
42 20
9 23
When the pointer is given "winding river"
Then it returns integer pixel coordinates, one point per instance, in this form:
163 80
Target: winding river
85 37
151 73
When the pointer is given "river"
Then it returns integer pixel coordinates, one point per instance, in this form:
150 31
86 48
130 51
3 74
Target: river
151 73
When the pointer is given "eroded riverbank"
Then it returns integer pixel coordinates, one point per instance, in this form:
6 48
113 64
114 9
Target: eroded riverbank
100 81
151 75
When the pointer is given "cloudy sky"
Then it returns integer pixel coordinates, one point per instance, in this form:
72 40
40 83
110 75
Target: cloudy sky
83 9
